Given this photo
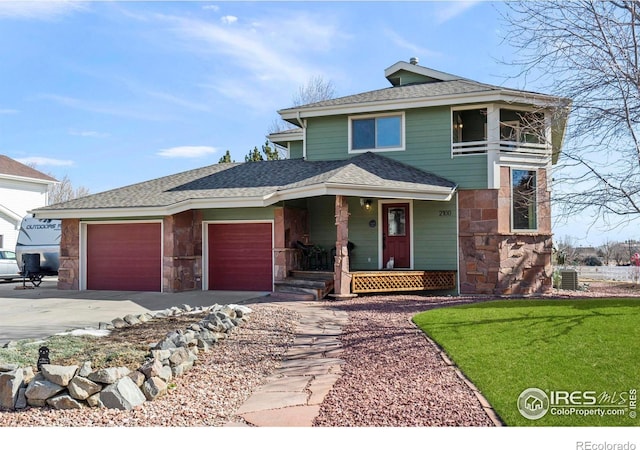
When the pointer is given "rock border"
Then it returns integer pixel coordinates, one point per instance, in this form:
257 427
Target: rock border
484 403
74 387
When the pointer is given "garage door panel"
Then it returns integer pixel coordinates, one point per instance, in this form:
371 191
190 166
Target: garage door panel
124 257
240 257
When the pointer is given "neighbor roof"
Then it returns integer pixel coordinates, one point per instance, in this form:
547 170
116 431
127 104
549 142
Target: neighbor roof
258 184
10 168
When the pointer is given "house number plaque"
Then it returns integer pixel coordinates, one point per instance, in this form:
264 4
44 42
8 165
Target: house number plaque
372 223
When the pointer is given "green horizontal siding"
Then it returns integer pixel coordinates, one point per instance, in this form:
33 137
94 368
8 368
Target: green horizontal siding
295 150
428 146
365 254
327 138
435 235
238 214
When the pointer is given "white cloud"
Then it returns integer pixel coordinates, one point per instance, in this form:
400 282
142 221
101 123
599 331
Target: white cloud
187 151
39 10
8 111
266 53
128 111
211 7
452 10
228 19
415 50
88 133
178 101
45 161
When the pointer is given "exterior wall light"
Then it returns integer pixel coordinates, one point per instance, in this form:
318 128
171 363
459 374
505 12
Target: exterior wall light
366 203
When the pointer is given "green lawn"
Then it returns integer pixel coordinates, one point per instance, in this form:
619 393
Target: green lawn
507 346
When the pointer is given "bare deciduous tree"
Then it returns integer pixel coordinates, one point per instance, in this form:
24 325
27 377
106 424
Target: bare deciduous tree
64 191
316 90
588 51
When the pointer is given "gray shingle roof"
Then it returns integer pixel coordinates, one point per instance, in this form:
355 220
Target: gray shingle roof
262 178
409 91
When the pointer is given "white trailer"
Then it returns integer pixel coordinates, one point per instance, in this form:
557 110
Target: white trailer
38 248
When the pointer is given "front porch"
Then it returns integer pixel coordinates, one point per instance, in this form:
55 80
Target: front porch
402 281
348 240
318 284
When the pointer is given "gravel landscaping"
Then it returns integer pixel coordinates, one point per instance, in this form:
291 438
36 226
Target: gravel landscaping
392 376
208 395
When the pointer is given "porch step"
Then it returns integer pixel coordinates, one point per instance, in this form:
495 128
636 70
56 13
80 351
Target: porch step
278 295
311 274
318 288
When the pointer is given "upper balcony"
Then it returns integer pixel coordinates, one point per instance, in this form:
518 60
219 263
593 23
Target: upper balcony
513 135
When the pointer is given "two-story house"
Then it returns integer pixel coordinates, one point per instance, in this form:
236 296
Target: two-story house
434 183
22 188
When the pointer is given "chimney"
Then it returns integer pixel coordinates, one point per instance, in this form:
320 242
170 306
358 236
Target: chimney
413 60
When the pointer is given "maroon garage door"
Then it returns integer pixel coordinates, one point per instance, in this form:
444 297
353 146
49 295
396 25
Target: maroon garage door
240 257
124 257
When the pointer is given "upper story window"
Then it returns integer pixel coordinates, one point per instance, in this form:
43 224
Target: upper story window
470 125
381 133
524 203
524 127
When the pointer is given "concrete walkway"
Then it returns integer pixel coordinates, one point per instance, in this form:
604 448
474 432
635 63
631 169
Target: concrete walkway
293 394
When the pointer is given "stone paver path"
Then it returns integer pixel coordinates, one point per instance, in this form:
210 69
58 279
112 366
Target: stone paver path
293 394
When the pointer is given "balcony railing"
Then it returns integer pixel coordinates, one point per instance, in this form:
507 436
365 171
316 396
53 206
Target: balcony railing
504 147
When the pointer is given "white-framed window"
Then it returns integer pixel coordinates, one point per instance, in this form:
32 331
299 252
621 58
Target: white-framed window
524 199
383 132
469 125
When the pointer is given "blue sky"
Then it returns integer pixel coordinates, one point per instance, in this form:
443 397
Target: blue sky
111 93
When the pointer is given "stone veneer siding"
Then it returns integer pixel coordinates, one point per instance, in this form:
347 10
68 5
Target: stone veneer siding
182 258
69 268
495 260
290 225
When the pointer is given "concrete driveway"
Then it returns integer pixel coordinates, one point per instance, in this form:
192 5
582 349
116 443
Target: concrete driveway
40 312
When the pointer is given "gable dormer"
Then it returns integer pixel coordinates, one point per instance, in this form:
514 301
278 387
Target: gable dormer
403 73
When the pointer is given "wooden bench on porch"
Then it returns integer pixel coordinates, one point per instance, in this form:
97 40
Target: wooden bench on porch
402 280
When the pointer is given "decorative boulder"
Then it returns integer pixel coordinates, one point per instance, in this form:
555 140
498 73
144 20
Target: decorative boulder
10 384
123 394
61 375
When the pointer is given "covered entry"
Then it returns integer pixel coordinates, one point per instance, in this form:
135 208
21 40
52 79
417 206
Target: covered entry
240 256
124 256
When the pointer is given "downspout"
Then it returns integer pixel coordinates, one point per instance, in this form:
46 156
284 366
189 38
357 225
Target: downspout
303 125
458 249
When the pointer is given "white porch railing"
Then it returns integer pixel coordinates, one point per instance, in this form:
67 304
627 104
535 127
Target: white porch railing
503 147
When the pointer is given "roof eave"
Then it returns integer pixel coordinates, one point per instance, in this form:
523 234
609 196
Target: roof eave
425 71
507 96
434 193
29 179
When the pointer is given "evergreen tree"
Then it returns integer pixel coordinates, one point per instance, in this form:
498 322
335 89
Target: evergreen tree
268 153
254 155
226 158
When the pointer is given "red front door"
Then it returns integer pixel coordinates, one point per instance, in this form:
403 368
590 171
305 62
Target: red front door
396 235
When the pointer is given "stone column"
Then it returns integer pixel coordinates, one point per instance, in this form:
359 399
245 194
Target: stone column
341 275
69 267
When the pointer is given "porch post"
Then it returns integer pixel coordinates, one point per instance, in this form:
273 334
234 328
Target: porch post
341 275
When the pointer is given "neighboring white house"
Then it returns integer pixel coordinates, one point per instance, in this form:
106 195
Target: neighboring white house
22 188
